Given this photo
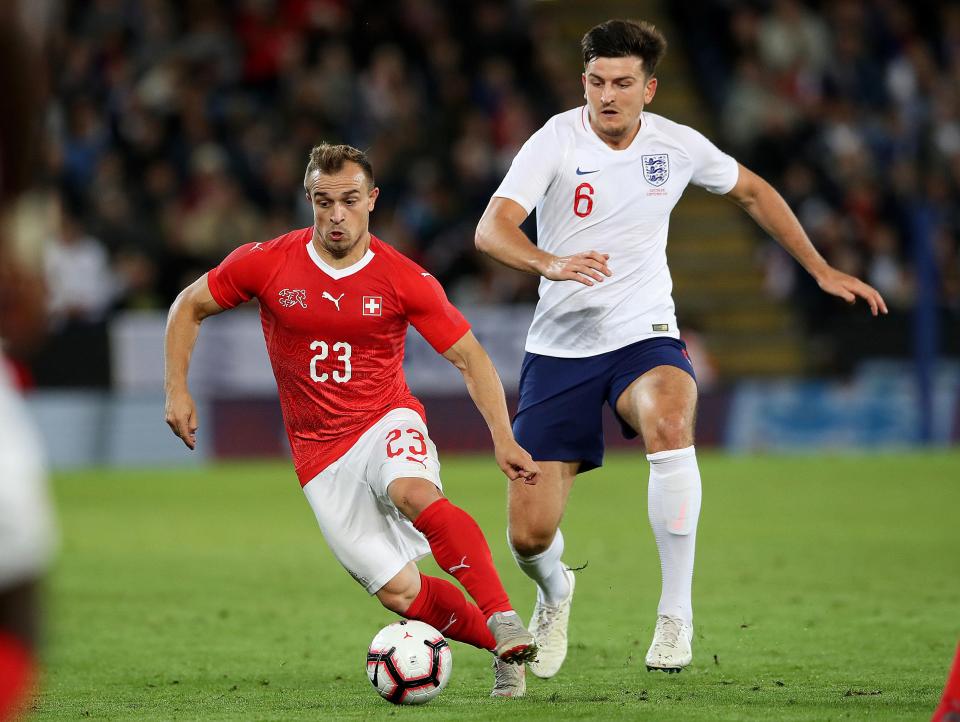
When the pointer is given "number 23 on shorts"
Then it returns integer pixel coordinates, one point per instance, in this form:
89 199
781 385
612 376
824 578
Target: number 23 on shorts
396 446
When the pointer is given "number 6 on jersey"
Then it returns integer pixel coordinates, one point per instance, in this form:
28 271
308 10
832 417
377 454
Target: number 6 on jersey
583 200
341 347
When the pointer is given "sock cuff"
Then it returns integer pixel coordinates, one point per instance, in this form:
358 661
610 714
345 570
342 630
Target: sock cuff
425 517
660 457
421 600
557 541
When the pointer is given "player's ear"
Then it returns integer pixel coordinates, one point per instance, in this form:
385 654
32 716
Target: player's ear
650 90
372 198
583 82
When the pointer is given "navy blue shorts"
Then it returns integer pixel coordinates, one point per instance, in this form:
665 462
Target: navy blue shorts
559 417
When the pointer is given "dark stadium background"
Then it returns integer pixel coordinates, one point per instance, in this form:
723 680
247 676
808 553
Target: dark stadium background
179 130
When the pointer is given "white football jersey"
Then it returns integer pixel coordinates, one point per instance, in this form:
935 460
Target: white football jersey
591 197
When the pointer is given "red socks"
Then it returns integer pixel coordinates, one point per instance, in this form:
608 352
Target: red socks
16 675
949 707
459 547
442 605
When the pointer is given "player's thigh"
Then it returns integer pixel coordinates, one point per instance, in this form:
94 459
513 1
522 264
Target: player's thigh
402 464
535 510
661 405
559 415
365 530
371 542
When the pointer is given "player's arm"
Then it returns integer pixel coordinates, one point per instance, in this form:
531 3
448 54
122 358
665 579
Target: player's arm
499 236
485 389
193 305
768 208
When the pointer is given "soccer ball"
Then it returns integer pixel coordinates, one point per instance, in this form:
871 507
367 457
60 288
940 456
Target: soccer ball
409 662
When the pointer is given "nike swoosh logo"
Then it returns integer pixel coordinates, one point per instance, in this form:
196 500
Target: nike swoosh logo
586 172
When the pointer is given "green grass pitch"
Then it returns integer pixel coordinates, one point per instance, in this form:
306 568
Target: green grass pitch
827 588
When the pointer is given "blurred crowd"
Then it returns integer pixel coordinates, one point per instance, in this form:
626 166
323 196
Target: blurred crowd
852 110
181 130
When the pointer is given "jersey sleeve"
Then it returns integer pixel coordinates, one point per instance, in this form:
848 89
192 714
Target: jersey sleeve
533 168
713 169
428 308
239 277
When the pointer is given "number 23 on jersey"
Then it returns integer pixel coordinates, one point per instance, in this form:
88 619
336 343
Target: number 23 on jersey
339 375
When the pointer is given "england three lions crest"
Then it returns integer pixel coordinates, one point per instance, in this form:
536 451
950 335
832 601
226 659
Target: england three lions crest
656 168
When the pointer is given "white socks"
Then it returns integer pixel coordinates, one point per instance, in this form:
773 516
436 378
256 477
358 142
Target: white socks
673 505
546 570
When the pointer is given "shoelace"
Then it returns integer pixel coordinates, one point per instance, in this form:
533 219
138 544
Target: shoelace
503 677
669 632
547 617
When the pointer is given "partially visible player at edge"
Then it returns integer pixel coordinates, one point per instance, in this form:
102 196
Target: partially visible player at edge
335 303
604 178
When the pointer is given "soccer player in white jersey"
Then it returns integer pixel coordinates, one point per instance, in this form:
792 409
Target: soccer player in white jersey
604 178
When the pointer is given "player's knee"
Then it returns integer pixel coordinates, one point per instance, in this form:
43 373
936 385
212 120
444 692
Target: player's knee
671 431
412 496
528 543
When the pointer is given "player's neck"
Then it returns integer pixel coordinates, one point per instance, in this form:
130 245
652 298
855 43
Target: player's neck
620 142
339 262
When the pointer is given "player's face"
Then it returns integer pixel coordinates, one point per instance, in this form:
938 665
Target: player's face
342 202
616 90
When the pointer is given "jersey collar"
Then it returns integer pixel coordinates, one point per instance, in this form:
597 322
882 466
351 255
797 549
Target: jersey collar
338 273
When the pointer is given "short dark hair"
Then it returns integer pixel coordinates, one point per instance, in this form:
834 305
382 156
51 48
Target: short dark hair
623 38
326 158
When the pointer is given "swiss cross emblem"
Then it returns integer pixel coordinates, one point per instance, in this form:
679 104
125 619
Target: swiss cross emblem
372 305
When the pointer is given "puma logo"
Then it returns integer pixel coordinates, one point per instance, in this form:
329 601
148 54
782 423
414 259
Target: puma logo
336 301
453 618
419 461
680 523
461 565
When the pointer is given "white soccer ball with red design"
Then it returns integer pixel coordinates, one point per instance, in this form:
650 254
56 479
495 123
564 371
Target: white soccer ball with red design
409 662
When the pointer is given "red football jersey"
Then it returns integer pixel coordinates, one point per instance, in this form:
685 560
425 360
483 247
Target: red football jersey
336 337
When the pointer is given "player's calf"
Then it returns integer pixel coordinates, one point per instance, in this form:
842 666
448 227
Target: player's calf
459 547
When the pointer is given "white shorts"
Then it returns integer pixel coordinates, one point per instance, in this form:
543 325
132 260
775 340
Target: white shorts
366 532
26 521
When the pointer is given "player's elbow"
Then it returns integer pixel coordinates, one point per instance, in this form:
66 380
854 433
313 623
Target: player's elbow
481 238
486 233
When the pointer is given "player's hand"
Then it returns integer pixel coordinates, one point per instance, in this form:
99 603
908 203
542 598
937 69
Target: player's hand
181 416
847 287
516 463
586 268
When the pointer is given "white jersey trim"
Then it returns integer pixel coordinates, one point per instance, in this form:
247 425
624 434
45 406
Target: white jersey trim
618 344
338 273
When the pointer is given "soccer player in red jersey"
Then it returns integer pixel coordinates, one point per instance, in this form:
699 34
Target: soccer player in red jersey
335 303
